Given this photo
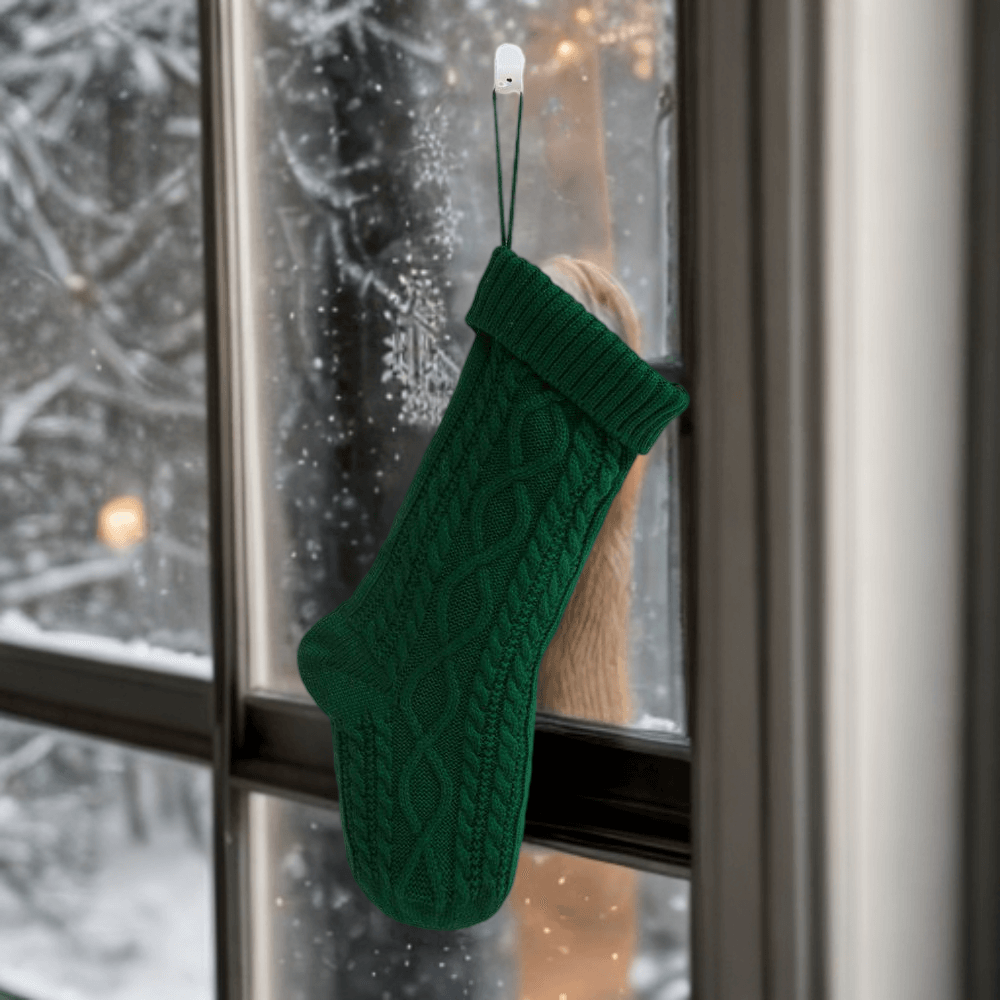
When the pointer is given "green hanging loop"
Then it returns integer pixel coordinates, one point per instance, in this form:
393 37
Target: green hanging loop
507 235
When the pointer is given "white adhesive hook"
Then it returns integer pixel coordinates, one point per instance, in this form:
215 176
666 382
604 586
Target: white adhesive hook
508 70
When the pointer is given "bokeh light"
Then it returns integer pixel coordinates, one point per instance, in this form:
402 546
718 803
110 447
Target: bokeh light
121 522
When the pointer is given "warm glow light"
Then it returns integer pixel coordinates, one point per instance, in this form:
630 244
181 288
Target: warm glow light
451 77
643 46
121 522
584 15
643 68
566 50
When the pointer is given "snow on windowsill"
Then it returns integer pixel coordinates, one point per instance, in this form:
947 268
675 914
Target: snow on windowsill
657 723
18 629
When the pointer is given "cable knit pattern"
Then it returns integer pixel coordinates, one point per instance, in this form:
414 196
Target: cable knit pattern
510 662
351 752
429 671
455 459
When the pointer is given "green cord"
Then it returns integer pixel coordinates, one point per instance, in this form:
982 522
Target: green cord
508 235
513 183
496 131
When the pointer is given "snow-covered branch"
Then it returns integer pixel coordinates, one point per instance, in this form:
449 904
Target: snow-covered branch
313 185
432 53
21 408
145 405
61 578
26 756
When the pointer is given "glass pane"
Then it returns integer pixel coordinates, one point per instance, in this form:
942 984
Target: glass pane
571 928
103 501
373 167
105 870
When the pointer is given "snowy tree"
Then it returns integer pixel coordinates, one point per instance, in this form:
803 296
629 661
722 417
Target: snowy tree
102 358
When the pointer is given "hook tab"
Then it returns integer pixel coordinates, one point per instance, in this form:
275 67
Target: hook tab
508 70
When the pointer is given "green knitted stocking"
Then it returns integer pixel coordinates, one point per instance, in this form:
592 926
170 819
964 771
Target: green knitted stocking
428 672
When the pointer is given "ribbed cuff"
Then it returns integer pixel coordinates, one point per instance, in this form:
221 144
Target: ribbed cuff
518 305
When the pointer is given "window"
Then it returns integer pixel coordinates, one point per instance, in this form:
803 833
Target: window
199 199
207 429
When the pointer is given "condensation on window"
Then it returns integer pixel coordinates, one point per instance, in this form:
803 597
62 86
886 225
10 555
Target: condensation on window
572 927
378 211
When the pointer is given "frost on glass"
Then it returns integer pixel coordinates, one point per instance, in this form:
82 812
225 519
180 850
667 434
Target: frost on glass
105 870
377 213
103 509
655 637
571 927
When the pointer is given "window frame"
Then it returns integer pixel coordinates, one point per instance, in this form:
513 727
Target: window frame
980 959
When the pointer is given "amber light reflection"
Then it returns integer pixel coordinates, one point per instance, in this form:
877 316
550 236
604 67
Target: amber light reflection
121 522
578 926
